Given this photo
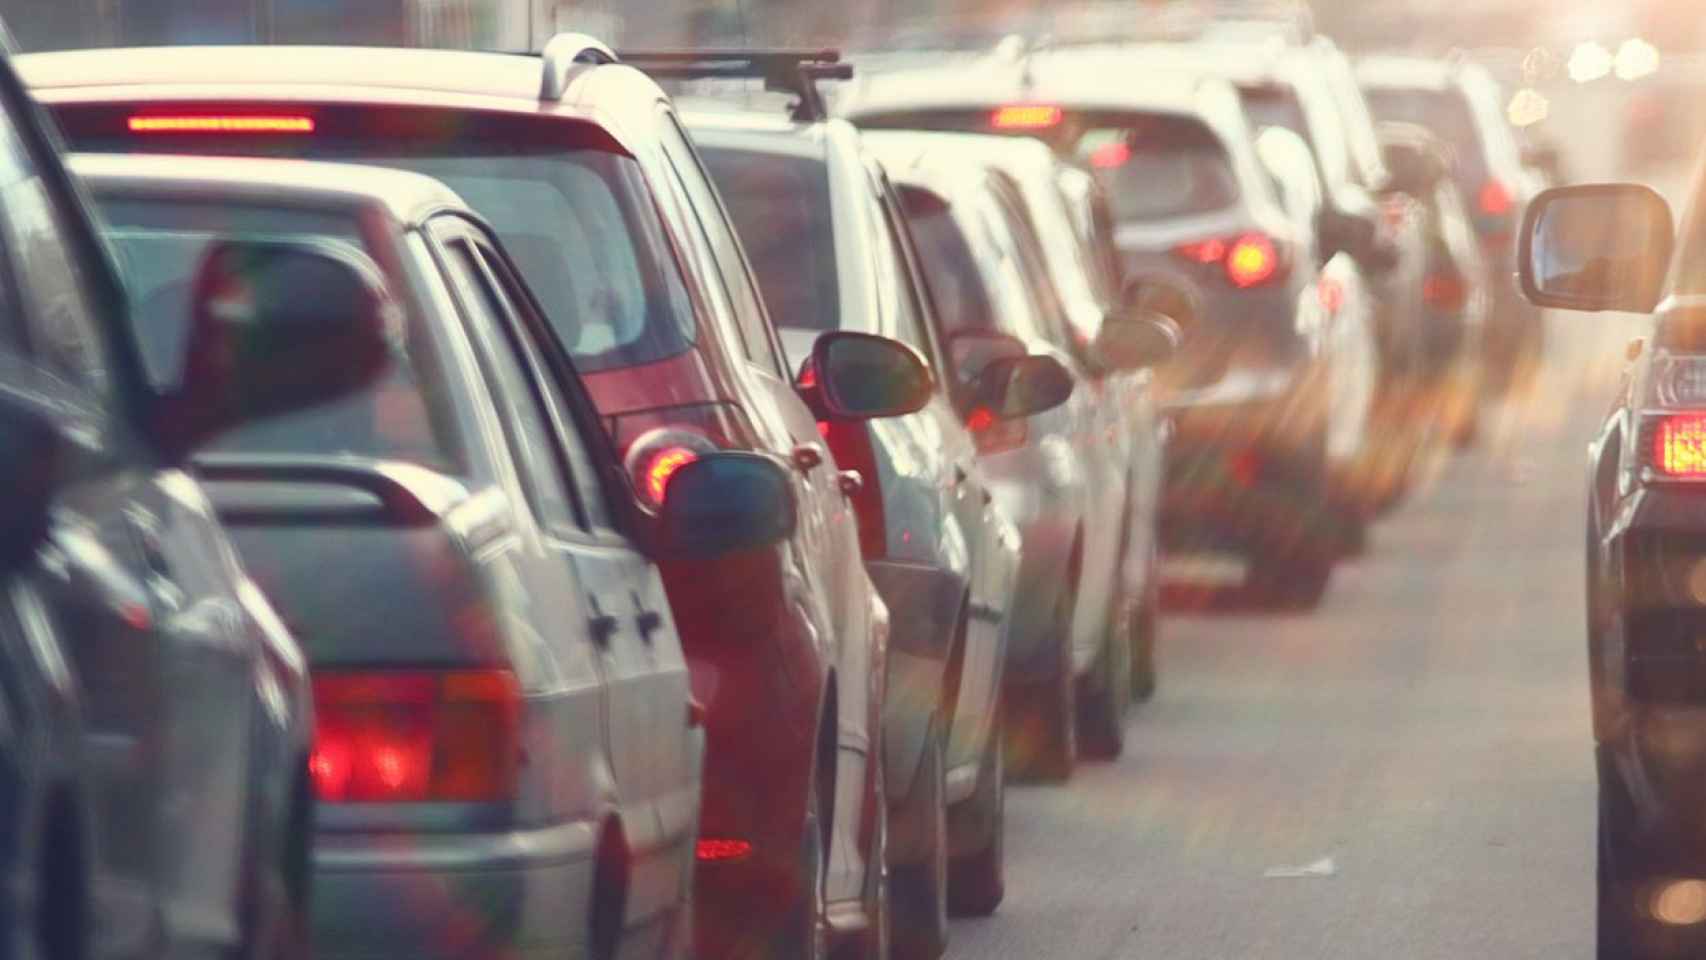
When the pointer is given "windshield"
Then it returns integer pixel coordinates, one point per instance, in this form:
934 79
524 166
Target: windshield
781 209
573 212
160 245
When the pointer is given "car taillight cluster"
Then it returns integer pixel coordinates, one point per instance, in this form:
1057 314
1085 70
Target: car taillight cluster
657 444
416 736
1495 200
1248 260
1677 445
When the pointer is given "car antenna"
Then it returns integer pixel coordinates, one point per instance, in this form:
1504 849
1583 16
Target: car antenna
795 71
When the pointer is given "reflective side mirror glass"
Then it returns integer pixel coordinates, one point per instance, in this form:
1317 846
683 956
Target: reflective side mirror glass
1596 247
724 503
868 377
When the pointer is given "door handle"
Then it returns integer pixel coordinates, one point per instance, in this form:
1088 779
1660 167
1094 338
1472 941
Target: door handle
851 482
601 626
807 457
646 621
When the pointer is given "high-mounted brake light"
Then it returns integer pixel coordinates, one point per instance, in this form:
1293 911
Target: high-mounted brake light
222 124
415 736
1026 116
1679 445
1495 199
1251 261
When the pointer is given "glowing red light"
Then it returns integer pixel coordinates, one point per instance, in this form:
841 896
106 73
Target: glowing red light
1110 155
1251 261
662 466
808 376
1332 294
980 420
723 851
824 429
1495 199
1025 116
1679 446
1246 468
329 766
207 124
1444 291
1203 251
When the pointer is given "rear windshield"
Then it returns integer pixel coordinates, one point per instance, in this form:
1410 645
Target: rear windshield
1275 105
1444 112
160 245
571 208
781 210
1153 166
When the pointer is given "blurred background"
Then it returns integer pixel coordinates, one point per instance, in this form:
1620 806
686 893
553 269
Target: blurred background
1571 72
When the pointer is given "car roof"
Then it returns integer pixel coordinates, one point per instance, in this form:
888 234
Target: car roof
719 123
590 89
406 197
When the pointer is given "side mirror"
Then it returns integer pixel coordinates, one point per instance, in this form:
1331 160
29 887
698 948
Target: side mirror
34 453
724 503
1135 339
1012 388
1596 247
866 377
278 326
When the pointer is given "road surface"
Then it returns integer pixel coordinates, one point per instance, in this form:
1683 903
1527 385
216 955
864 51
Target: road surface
1426 731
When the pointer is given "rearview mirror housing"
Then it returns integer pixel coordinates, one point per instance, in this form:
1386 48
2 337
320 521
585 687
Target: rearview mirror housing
275 327
724 503
867 377
1596 247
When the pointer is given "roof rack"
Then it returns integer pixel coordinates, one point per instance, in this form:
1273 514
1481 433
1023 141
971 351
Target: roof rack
564 52
782 70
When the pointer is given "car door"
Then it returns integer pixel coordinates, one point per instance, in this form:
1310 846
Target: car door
834 550
139 582
652 745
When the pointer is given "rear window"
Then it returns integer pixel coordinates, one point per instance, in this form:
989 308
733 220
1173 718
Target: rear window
781 209
160 245
572 208
1444 112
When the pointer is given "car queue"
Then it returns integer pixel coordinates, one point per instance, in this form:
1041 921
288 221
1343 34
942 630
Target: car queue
628 522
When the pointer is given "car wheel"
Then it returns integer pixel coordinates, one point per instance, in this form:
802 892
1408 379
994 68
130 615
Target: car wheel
1107 693
803 933
918 892
1043 729
977 878
1626 931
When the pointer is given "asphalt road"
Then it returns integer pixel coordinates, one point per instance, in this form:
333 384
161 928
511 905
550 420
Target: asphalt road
1426 730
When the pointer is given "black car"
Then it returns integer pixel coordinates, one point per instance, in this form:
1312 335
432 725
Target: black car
1609 247
154 763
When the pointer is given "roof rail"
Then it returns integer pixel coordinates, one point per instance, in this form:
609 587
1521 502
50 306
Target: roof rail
564 52
782 70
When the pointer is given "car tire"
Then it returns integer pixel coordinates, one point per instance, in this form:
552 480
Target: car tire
1107 691
1622 932
1042 731
977 877
918 892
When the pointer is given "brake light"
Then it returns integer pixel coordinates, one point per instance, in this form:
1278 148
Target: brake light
1108 156
1679 445
1025 116
723 851
1444 291
222 124
992 434
416 736
658 444
1251 261
1495 199
1205 252
660 466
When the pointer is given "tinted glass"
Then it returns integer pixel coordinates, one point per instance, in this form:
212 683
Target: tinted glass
780 206
160 245
572 209
1156 178
950 268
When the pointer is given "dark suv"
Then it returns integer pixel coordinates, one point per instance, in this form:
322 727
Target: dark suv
153 769
585 174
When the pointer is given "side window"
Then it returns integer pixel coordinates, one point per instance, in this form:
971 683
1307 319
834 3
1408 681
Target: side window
731 262
56 309
517 403
893 274
582 466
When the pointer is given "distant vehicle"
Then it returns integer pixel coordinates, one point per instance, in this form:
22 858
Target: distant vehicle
832 252
1461 103
157 711
582 168
1085 603
1247 395
1610 247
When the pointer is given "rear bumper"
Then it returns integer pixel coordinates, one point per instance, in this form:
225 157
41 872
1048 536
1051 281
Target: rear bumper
522 893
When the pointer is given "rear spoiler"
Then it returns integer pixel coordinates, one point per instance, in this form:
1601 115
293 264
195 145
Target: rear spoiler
794 71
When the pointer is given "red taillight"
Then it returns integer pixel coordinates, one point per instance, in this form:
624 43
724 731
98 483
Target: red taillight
1252 261
993 434
1249 259
1109 156
654 458
1332 294
1495 199
1025 116
1444 291
1679 445
416 736
222 124
660 466
723 851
